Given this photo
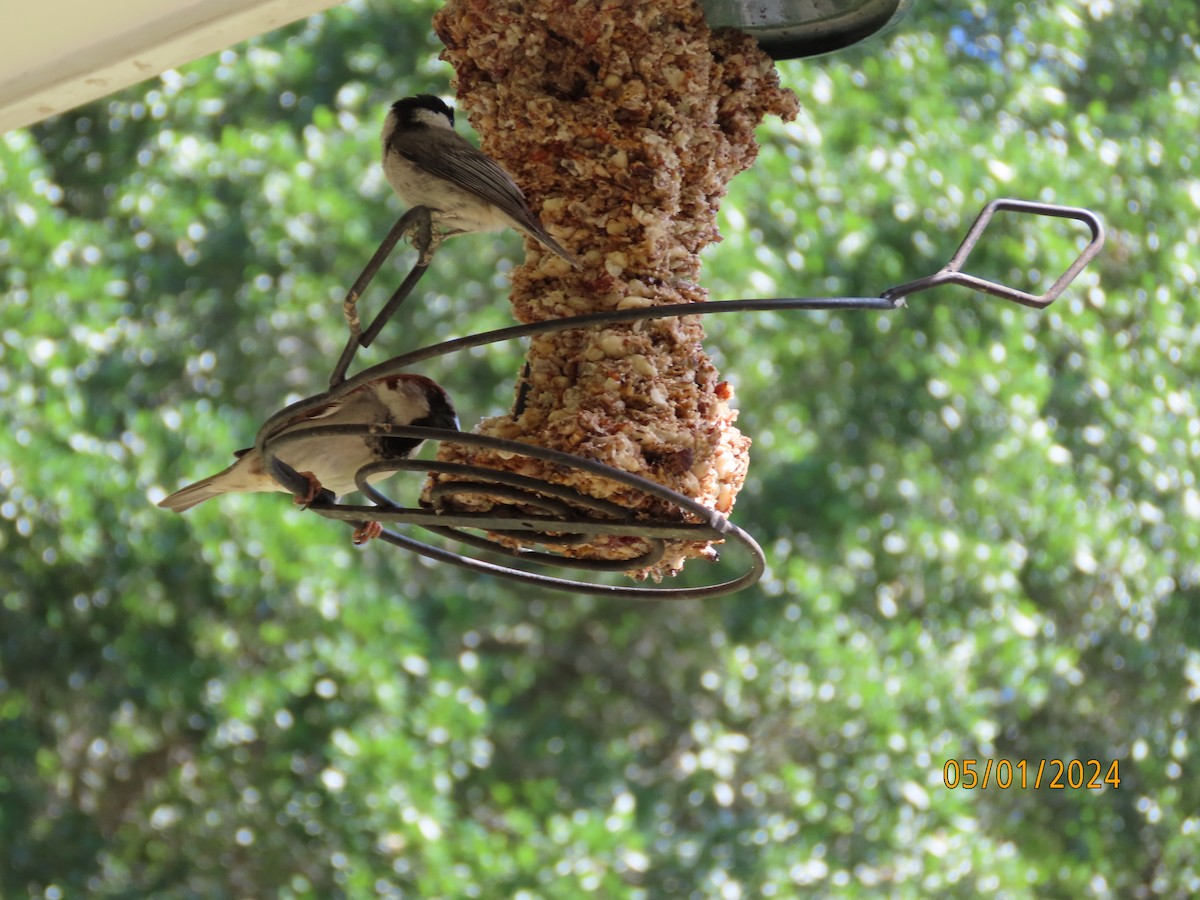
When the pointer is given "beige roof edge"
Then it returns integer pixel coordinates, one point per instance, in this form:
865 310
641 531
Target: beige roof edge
58 54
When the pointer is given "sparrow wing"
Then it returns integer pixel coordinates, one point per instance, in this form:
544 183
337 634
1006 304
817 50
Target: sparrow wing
302 416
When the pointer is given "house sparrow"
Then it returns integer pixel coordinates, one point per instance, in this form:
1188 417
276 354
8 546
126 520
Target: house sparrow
428 163
331 461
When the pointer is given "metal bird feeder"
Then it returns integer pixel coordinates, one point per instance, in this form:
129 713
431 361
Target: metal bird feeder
555 516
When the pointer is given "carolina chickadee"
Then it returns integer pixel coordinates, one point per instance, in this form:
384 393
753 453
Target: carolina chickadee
428 163
331 461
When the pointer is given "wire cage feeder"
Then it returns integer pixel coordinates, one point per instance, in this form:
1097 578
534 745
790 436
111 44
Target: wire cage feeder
555 516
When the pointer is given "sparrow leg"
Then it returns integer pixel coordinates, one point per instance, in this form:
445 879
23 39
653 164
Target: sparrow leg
366 532
314 489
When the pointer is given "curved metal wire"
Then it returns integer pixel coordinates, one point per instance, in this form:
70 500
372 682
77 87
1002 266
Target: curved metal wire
564 523
709 525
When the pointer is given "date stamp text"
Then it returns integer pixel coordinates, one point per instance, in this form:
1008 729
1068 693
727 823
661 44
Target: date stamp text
1055 774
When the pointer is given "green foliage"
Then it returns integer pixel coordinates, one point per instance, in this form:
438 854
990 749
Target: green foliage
981 520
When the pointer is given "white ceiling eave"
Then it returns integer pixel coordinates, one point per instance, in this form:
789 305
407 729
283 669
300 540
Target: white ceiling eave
58 54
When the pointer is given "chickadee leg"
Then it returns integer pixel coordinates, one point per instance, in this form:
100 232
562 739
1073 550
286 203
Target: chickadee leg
313 492
422 235
367 531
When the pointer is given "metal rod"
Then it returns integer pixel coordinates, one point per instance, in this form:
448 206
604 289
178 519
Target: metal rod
609 317
419 219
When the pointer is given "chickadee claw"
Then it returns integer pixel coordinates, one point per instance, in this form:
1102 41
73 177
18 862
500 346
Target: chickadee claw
366 532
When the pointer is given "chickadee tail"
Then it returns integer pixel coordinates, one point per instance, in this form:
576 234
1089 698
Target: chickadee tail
551 244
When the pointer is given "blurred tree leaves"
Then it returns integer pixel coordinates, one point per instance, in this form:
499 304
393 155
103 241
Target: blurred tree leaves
981 520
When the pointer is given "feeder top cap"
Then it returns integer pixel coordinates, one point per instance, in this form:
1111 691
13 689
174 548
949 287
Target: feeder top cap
788 29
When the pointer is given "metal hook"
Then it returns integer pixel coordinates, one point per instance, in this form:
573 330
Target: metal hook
953 274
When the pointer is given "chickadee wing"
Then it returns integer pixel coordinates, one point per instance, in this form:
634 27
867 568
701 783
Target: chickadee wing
463 165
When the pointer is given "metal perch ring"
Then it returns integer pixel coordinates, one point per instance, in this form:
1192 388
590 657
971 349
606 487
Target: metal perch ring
709 525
